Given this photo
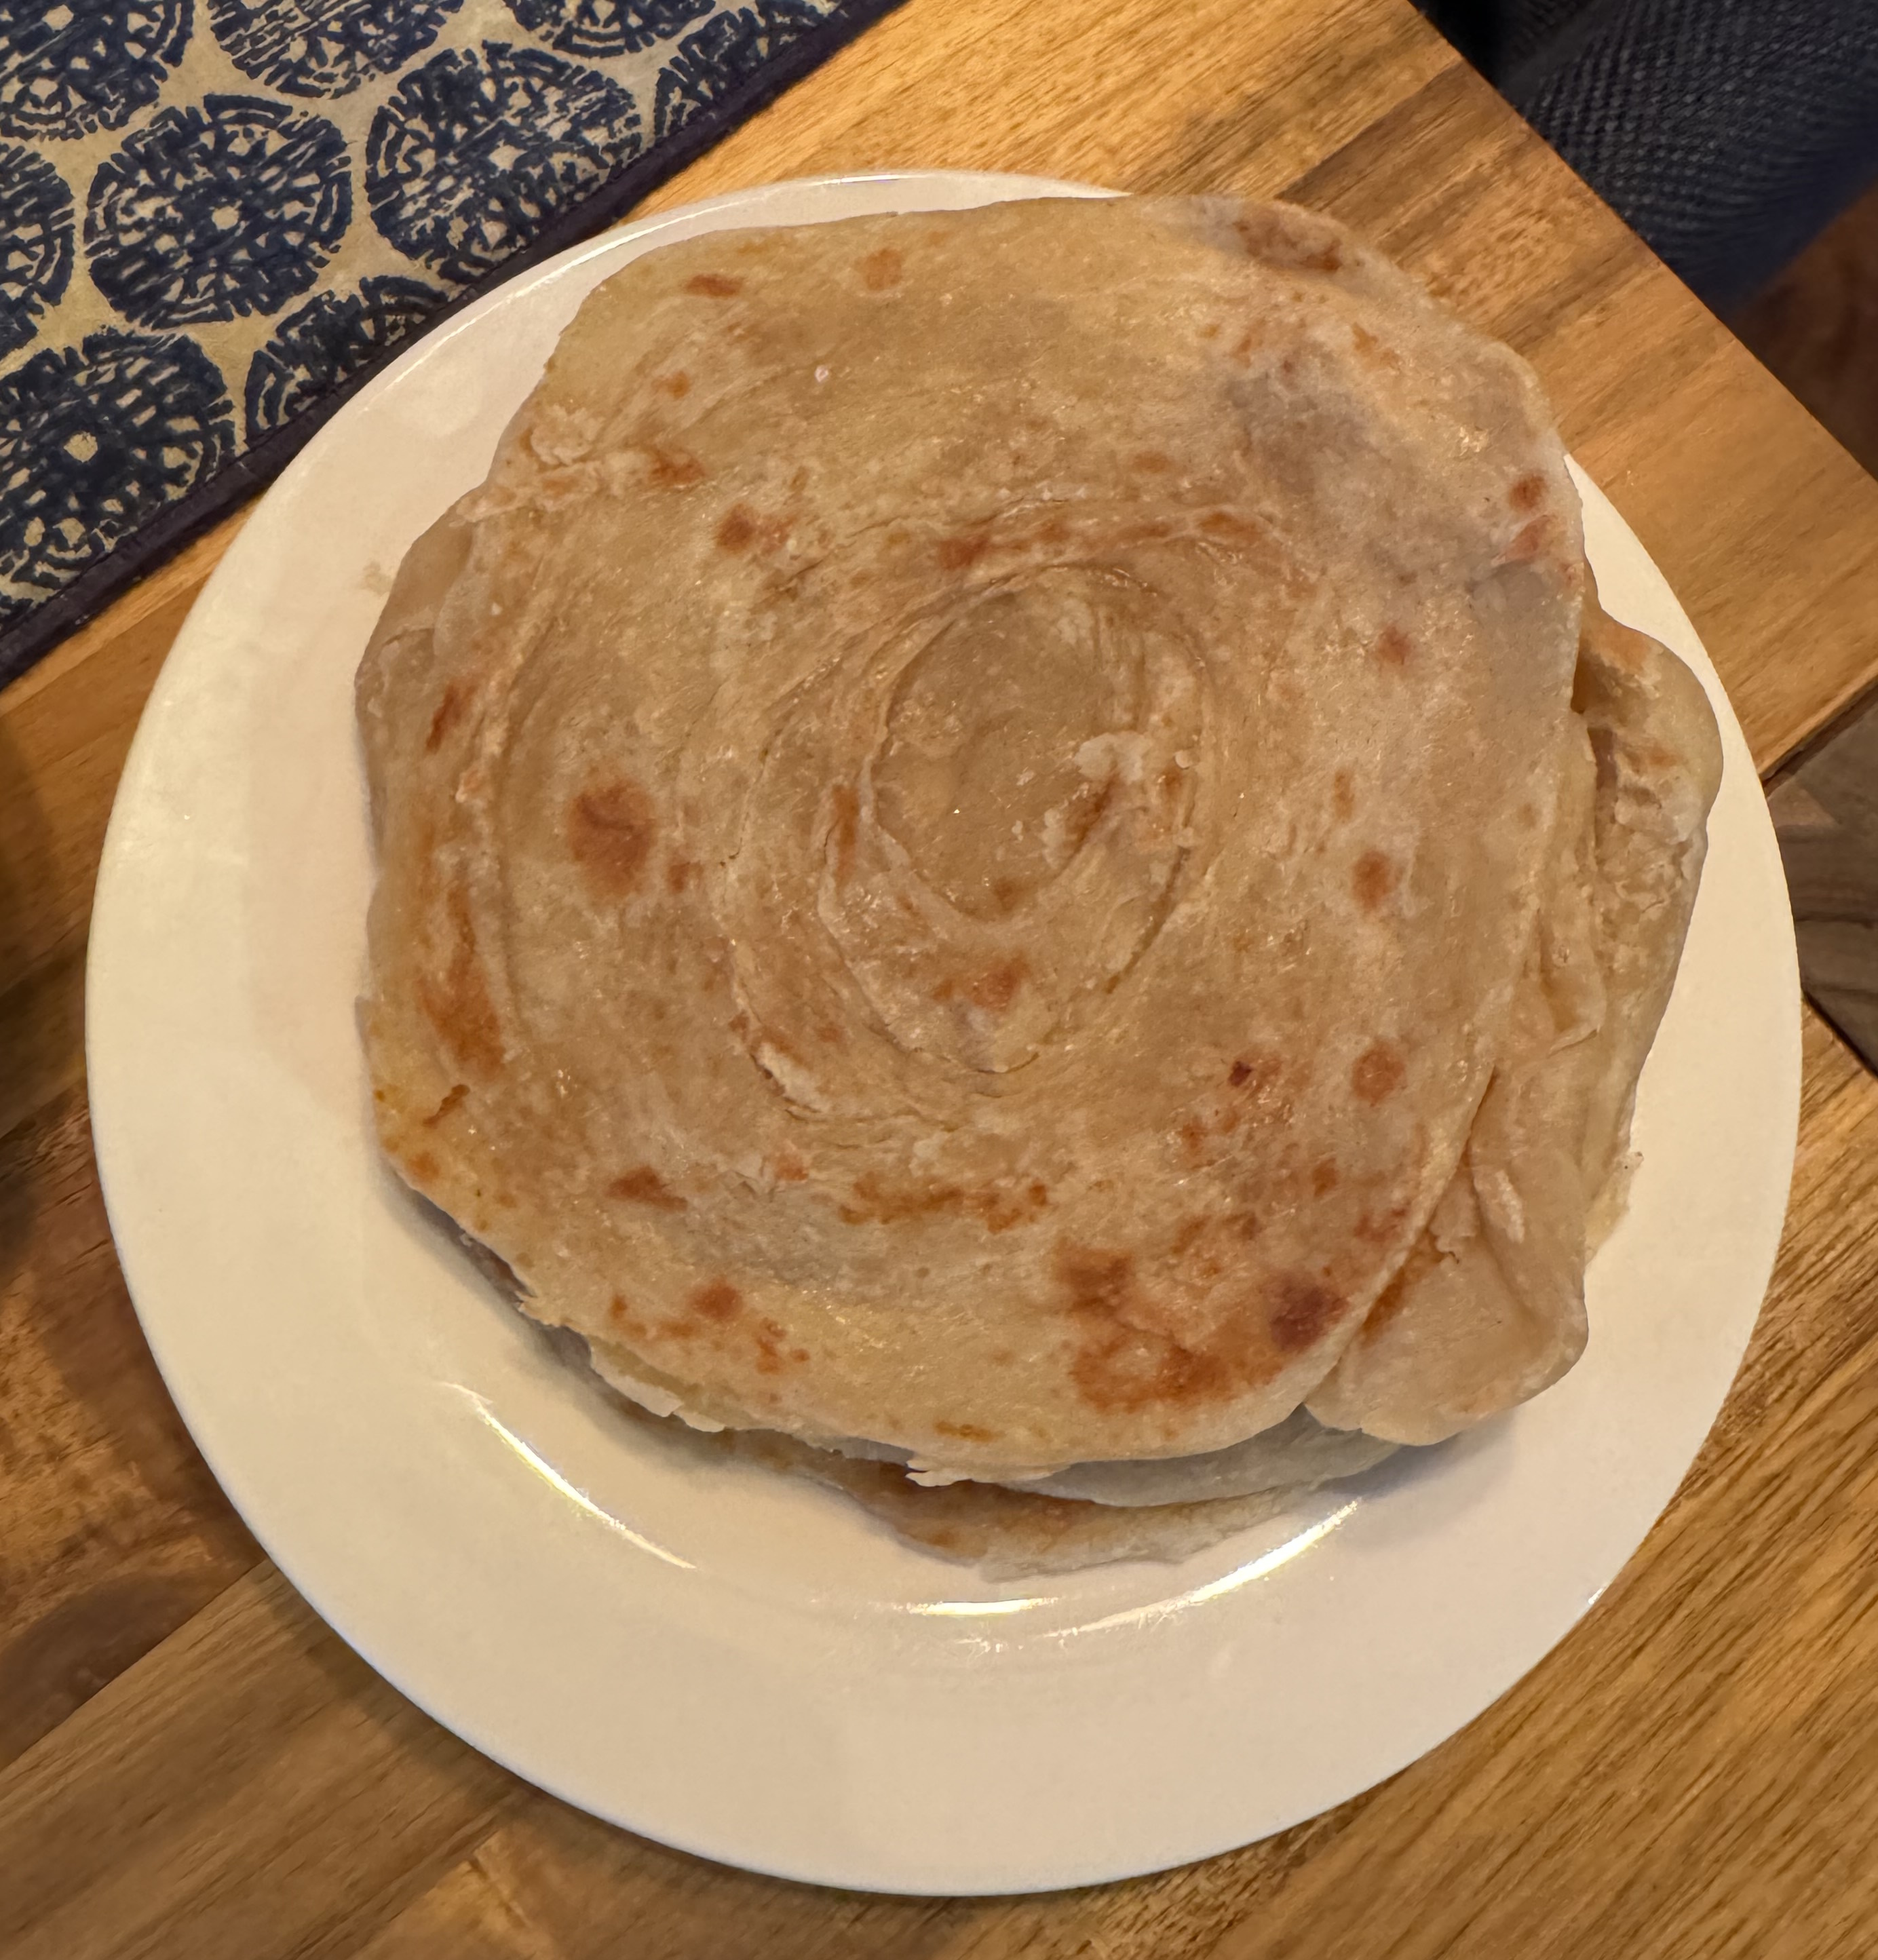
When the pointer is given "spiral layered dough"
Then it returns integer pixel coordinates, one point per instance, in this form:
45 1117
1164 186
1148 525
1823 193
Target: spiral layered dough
965 823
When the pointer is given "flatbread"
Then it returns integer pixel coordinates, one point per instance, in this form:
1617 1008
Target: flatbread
1018 872
960 820
1488 1308
1002 1533
1009 1534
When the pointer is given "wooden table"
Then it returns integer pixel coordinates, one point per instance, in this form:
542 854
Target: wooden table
190 1764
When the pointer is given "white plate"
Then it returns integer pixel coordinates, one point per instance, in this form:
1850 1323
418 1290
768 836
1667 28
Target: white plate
741 1665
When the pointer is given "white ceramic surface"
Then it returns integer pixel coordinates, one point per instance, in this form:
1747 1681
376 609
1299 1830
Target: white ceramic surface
742 1666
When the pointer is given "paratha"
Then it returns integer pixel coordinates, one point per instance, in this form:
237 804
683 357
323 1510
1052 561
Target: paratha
986 859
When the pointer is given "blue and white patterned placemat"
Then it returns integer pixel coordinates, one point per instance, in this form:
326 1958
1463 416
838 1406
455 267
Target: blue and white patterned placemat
217 217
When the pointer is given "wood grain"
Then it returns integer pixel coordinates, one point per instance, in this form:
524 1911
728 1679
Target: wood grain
1815 324
252 1781
191 1764
1824 808
114 1532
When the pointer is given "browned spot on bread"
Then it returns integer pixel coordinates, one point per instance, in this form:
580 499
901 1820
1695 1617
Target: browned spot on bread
1120 1365
1303 1311
790 1168
1098 1280
993 989
458 1005
873 1202
610 832
1231 525
742 527
450 1101
422 1166
1532 540
1052 531
714 285
449 711
769 1335
966 1432
1273 236
843 825
1526 493
677 386
1378 1073
674 469
998 1207
1374 1230
718 1301
630 1323
1371 351
1393 646
1152 462
643 1185
830 1034
1210 331
882 269
1372 879
1258 1072
1323 1177
1622 645
954 554
679 874
1343 794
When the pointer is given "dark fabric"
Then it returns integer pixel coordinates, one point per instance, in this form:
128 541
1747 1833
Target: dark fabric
1498 36
1727 132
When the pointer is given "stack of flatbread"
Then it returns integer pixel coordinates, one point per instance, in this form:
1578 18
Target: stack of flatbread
1016 867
